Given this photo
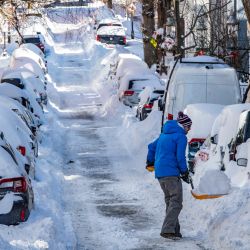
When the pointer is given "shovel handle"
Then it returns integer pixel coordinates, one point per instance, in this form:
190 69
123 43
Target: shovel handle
191 182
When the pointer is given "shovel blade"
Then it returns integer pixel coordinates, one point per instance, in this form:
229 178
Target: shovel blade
206 196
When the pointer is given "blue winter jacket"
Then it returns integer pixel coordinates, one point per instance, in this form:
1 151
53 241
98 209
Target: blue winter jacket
168 152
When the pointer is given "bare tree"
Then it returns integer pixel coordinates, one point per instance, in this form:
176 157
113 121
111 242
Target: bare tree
148 28
16 12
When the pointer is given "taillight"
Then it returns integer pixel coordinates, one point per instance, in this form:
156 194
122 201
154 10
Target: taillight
98 38
17 184
148 106
22 150
124 40
22 215
170 116
128 92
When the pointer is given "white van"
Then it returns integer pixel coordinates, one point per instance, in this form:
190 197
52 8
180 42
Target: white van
201 79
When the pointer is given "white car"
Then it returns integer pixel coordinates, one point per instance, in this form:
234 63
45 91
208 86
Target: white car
22 55
35 49
19 137
201 79
29 81
21 111
23 97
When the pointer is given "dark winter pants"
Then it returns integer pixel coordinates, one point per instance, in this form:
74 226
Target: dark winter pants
172 189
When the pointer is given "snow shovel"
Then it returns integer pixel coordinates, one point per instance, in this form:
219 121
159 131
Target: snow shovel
203 196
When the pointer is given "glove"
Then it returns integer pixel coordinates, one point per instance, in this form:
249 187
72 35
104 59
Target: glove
150 166
185 177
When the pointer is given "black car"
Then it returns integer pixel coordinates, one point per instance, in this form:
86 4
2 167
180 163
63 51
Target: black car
14 184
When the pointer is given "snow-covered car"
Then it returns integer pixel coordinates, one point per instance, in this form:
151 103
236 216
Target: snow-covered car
18 82
23 55
147 98
243 134
111 35
16 193
34 39
201 128
18 134
229 125
131 86
21 111
128 63
109 22
35 49
23 96
26 79
201 79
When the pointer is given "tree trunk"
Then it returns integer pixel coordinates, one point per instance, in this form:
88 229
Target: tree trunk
148 30
246 4
110 4
161 11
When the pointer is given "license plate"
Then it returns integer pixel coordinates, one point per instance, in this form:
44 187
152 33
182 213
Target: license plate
111 38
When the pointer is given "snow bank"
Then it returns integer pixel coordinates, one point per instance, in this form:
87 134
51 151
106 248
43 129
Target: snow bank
129 63
202 116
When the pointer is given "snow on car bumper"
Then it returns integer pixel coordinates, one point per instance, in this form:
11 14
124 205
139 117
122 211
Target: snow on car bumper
18 213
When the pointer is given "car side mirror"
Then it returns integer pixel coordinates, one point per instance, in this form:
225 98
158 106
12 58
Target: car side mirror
242 162
2 135
214 139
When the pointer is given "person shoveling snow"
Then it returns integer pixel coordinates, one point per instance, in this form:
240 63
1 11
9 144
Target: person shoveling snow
168 155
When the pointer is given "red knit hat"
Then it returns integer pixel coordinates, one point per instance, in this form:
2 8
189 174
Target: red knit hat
184 120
